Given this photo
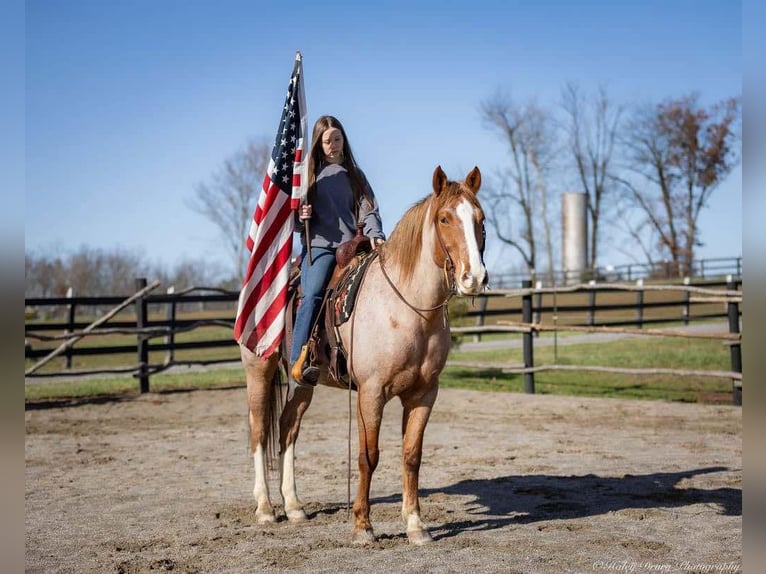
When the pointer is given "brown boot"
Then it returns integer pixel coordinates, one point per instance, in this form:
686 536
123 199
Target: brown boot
303 371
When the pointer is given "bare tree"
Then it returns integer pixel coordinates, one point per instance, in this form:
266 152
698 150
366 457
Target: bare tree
524 184
680 152
85 272
228 200
99 272
592 129
44 277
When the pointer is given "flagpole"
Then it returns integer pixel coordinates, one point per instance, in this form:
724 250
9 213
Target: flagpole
308 241
306 230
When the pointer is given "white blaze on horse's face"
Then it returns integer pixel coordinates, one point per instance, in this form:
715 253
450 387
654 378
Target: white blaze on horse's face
470 275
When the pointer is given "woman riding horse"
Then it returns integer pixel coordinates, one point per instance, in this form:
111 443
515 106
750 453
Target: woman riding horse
397 340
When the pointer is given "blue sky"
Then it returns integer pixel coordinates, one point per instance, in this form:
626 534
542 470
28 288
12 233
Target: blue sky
130 104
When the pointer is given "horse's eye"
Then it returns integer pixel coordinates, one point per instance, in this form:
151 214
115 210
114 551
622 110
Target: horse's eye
443 220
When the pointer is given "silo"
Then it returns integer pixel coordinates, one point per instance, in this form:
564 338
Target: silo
574 233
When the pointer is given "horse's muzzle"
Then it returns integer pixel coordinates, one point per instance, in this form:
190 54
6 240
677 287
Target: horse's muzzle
472 284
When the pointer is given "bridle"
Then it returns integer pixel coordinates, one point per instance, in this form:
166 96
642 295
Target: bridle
449 276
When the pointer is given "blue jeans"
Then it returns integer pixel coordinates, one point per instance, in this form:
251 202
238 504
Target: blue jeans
314 279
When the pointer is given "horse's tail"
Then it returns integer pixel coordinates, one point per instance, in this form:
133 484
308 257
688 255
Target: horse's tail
276 403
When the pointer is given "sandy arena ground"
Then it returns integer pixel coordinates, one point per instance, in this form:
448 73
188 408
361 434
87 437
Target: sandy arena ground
509 483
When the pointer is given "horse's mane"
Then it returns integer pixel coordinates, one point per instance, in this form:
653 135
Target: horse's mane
404 245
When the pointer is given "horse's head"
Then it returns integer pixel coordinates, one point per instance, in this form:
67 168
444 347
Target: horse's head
459 224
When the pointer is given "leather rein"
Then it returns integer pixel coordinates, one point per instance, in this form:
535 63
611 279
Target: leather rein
449 275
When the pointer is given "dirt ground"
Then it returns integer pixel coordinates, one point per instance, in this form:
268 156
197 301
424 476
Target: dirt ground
509 483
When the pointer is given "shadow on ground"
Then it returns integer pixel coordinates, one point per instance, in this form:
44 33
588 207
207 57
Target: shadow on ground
507 500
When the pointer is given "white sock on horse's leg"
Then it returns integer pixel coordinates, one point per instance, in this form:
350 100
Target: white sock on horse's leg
293 506
264 512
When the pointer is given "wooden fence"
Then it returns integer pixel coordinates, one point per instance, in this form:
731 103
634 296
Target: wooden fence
612 308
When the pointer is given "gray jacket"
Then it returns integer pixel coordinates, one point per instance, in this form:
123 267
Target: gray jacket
333 219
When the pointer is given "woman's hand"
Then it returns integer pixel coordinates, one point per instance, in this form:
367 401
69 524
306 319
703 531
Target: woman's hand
305 212
377 242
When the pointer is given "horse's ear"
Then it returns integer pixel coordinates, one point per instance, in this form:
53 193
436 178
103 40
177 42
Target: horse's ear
473 180
440 180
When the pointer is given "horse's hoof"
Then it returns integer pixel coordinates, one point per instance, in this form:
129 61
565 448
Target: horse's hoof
419 537
362 537
297 515
265 517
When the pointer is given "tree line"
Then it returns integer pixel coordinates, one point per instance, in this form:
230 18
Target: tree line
99 272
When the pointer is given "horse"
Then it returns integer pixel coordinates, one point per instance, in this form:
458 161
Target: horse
397 340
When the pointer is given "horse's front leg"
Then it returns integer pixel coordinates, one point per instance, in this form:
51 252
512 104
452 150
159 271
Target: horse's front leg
289 427
369 414
261 401
414 420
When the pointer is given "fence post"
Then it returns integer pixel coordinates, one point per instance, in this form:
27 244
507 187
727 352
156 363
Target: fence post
735 349
526 317
687 301
640 304
142 341
591 304
71 314
537 314
483 300
171 321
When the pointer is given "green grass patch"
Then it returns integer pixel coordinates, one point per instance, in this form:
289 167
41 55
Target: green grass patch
85 362
118 386
695 354
666 352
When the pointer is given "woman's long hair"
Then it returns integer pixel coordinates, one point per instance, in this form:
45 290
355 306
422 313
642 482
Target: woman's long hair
358 184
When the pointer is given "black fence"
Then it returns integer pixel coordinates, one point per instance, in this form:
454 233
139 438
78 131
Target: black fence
585 306
701 269
47 318
649 304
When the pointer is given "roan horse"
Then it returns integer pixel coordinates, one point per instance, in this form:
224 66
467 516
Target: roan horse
397 341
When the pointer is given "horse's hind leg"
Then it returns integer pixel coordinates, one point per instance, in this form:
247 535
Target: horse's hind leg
414 420
289 427
261 400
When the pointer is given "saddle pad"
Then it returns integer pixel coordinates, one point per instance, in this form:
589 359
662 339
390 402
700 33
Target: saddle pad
347 290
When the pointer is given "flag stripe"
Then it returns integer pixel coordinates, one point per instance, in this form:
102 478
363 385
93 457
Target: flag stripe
268 276
274 253
271 226
266 315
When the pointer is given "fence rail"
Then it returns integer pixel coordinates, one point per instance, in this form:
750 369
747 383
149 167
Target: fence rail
589 307
701 269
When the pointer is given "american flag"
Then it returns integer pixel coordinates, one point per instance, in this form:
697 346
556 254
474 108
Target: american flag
260 323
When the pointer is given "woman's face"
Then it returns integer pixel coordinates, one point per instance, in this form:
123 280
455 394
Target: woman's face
332 145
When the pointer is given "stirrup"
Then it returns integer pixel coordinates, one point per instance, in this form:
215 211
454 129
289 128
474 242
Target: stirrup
303 371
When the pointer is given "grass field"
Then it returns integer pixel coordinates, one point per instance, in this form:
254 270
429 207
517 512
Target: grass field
635 353
666 352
